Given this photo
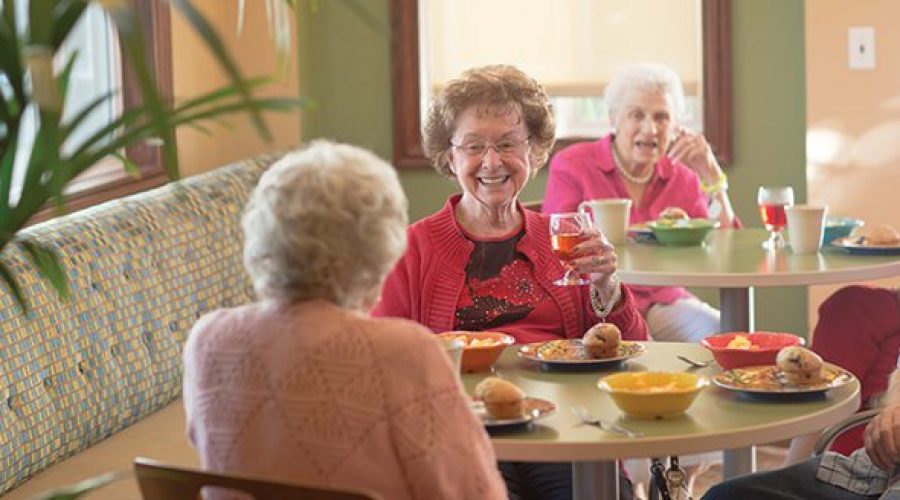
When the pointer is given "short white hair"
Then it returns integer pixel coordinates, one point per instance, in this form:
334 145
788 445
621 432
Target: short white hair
325 222
647 77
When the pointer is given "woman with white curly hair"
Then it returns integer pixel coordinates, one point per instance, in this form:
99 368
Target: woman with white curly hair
652 159
304 386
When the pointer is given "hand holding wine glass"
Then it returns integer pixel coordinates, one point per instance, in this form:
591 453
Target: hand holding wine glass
772 200
566 232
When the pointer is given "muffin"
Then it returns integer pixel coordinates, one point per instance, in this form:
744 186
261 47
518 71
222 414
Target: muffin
503 400
673 214
799 365
883 235
602 341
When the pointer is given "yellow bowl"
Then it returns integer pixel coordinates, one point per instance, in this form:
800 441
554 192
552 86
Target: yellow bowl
653 394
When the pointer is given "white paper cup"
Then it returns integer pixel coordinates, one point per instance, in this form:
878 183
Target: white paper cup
805 227
454 349
610 216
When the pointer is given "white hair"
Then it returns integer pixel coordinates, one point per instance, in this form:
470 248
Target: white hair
325 222
647 77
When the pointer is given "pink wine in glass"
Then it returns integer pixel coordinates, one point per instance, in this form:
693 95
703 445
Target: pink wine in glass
773 216
771 201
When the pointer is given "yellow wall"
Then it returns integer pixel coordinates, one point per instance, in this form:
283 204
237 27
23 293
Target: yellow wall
853 117
195 72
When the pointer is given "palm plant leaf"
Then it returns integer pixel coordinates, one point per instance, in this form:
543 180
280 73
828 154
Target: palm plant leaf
153 104
48 265
13 286
47 169
65 14
212 39
7 157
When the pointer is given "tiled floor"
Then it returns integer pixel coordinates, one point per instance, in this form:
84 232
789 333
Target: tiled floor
768 457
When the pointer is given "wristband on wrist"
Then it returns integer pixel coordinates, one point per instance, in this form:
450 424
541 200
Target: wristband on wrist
600 309
721 184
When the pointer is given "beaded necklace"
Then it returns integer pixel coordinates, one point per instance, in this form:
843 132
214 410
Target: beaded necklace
634 179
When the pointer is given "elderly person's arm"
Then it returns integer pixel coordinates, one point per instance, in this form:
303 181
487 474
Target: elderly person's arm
693 150
882 437
609 300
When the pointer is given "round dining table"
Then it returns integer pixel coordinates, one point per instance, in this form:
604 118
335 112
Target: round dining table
719 419
735 262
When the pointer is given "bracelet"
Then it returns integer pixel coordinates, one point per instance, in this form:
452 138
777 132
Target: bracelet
603 310
720 185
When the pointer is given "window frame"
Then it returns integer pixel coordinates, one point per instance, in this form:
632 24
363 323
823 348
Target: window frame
408 152
108 179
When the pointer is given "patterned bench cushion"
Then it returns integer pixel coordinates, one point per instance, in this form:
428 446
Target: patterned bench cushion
141 270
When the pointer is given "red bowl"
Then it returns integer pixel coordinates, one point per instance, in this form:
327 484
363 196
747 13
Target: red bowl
479 358
763 350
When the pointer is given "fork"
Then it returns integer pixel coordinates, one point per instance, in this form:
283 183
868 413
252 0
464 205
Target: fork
588 418
694 364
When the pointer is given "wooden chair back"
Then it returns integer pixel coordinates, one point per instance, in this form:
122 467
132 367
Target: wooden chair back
160 481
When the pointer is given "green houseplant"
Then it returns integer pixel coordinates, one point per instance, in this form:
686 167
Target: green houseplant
28 81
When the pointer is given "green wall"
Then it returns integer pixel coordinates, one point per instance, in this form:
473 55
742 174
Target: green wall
345 66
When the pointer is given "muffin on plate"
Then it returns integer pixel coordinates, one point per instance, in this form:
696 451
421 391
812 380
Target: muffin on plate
602 341
883 235
502 399
799 365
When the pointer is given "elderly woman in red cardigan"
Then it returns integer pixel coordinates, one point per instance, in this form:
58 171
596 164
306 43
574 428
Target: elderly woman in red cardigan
483 262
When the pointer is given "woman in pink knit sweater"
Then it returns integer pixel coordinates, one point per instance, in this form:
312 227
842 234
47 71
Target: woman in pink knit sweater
303 385
483 262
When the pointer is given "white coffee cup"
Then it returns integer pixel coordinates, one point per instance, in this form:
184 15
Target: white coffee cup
805 227
454 348
610 216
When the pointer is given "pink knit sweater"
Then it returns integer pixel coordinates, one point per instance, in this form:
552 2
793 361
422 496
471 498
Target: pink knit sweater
425 284
314 393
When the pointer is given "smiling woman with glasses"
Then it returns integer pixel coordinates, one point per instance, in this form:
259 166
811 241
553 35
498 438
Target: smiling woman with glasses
483 262
508 148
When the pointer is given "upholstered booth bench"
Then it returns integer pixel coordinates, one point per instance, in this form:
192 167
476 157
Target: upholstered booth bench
88 383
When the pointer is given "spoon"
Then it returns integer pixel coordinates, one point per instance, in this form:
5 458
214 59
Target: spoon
694 364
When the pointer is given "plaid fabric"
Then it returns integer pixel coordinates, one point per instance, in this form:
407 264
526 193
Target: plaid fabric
141 270
857 474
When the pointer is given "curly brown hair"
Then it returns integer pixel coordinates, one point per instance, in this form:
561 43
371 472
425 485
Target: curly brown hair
489 87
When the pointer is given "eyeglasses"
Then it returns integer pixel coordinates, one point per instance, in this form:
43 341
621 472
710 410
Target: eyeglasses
506 147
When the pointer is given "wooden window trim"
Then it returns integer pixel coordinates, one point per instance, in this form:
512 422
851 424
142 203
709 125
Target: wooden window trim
408 151
109 179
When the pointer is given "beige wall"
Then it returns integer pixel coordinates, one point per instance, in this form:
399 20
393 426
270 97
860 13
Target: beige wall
196 72
853 117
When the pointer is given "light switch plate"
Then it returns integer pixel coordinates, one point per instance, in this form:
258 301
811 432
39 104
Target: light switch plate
861 47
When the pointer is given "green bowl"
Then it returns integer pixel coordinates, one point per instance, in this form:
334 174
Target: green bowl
687 232
839 227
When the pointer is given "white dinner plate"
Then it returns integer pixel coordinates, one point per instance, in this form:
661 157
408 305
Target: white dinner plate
534 408
576 355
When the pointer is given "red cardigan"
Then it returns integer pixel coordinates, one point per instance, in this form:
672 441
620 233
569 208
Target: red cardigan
426 283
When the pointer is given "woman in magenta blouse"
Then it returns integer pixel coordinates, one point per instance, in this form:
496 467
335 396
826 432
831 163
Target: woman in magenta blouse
649 158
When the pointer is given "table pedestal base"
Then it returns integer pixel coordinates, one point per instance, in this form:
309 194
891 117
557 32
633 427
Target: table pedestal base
738 461
595 480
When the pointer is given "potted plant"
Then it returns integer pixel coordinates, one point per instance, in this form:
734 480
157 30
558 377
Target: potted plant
28 82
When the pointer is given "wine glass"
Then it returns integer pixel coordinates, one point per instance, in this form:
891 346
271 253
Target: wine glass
771 201
566 232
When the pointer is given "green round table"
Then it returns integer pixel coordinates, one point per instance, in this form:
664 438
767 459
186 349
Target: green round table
719 419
